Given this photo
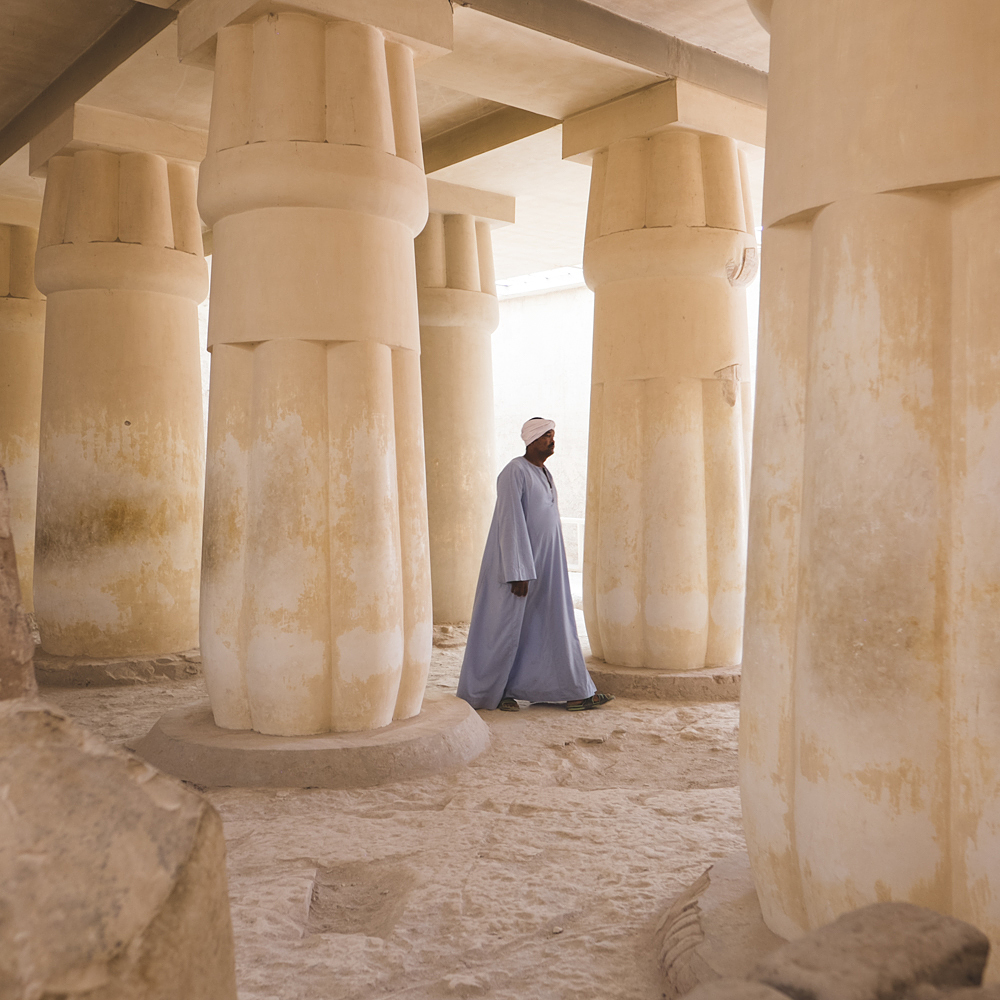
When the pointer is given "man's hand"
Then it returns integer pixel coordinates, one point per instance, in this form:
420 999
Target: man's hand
519 588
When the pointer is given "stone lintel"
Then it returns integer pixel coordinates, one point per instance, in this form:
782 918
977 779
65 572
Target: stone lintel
671 103
446 735
20 212
455 199
424 25
490 131
85 127
707 684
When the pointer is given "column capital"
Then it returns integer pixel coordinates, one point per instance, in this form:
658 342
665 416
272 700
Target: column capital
122 221
86 127
672 103
424 25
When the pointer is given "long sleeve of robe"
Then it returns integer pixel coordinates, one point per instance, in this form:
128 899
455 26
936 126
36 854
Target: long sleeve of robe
524 647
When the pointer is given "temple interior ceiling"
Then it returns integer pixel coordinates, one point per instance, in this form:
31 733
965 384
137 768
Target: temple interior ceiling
40 38
495 64
724 26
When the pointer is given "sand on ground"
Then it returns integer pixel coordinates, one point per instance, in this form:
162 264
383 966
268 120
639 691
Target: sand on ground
535 873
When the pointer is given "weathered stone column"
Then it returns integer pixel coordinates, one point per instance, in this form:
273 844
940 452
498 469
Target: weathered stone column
316 605
17 676
121 447
458 314
670 242
870 721
22 335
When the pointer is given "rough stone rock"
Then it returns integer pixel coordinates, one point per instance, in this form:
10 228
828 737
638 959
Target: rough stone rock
876 953
734 989
714 929
17 676
112 875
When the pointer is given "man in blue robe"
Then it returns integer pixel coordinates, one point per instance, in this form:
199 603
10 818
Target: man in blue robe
523 642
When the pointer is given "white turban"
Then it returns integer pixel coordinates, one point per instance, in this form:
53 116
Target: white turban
534 428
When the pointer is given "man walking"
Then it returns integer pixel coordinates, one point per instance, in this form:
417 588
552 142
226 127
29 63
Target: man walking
523 642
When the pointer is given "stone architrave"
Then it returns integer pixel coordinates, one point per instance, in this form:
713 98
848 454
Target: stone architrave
870 715
316 600
22 336
120 468
458 313
113 875
669 246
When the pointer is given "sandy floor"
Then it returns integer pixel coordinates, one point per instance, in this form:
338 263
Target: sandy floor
537 872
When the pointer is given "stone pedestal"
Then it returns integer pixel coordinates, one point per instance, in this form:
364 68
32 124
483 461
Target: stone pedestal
316 604
707 684
458 313
870 712
121 448
446 735
22 336
670 243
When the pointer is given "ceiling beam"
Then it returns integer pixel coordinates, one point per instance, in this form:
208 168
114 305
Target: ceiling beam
490 131
126 36
599 30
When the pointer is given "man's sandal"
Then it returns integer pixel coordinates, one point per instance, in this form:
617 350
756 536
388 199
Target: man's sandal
509 705
596 700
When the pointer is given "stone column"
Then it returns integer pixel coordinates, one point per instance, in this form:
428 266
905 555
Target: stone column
669 245
22 335
316 606
121 447
870 721
458 314
17 675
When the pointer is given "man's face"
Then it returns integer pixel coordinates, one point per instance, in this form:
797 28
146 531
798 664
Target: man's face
545 445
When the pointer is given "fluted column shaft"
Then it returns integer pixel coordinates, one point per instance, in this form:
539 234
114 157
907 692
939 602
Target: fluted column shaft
669 246
117 536
870 718
316 610
22 336
458 313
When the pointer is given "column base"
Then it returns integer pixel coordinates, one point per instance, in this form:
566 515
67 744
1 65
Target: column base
89 671
708 684
714 929
450 634
446 735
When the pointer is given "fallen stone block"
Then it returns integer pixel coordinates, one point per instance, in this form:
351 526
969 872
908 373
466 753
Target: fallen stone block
112 875
879 952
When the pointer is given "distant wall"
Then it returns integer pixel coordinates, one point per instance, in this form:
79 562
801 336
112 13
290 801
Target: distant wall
541 368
